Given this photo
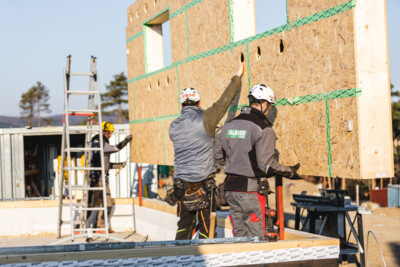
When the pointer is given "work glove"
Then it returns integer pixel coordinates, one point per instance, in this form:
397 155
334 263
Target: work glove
263 187
171 197
179 187
124 142
294 175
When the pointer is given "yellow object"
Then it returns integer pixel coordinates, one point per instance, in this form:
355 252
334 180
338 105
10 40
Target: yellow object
58 168
146 191
107 126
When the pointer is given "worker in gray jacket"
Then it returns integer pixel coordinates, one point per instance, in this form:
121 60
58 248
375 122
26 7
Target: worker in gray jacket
192 134
246 146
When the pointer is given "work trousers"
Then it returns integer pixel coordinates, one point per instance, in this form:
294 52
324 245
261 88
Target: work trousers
248 213
96 218
188 220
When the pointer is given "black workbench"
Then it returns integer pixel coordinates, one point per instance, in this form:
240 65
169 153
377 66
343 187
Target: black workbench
336 217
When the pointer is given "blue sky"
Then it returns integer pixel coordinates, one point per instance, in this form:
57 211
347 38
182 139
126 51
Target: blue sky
37 36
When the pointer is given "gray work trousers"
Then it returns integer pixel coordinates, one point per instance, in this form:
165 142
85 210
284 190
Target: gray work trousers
248 213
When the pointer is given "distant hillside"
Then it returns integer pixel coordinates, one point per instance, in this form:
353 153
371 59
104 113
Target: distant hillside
57 120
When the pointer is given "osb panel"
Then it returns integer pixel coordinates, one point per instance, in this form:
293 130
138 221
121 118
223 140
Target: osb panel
209 26
175 5
178 37
169 147
135 57
301 133
344 143
303 67
211 75
157 95
298 9
324 53
147 142
142 10
131 101
275 69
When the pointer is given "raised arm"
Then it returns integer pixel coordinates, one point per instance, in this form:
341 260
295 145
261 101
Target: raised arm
214 114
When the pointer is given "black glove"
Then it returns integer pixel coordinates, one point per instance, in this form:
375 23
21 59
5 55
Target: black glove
263 187
294 175
124 142
171 197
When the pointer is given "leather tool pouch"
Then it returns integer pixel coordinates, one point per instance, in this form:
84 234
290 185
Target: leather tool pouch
195 197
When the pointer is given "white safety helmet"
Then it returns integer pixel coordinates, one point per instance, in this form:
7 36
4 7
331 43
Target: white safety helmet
262 92
189 94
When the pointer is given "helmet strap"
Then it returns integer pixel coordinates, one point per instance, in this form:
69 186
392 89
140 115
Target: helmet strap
266 110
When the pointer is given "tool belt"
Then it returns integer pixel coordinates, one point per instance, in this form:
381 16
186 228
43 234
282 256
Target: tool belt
195 197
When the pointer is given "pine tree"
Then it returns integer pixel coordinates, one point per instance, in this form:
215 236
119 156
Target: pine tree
115 97
34 101
27 105
42 98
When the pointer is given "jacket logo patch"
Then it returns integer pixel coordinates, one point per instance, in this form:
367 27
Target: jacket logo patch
232 133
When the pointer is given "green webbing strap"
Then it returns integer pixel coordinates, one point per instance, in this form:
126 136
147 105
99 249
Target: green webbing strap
328 137
144 76
318 16
319 97
184 8
280 102
187 33
134 36
324 14
310 98
162 118
231 21
238 43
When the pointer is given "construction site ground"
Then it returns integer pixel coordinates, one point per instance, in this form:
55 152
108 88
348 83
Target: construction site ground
383 222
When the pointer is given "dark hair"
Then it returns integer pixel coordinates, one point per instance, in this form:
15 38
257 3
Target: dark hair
190 103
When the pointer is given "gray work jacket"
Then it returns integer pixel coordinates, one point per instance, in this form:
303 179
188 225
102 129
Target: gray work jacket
246 146
192 135
192 145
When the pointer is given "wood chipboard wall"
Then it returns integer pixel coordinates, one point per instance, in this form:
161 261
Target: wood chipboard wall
318 57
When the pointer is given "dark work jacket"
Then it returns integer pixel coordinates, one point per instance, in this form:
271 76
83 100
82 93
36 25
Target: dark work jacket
246 146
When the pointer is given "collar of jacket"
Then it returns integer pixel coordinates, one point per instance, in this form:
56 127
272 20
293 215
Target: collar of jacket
255 112
191 109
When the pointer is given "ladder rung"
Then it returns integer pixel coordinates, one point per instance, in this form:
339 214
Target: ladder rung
82 187
82 92
71 129
93 229
78 112
81 73
100 208
69 222
82 149
85 168
74 205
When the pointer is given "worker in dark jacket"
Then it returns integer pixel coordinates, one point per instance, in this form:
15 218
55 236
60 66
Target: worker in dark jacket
96 218
246 146
192 134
